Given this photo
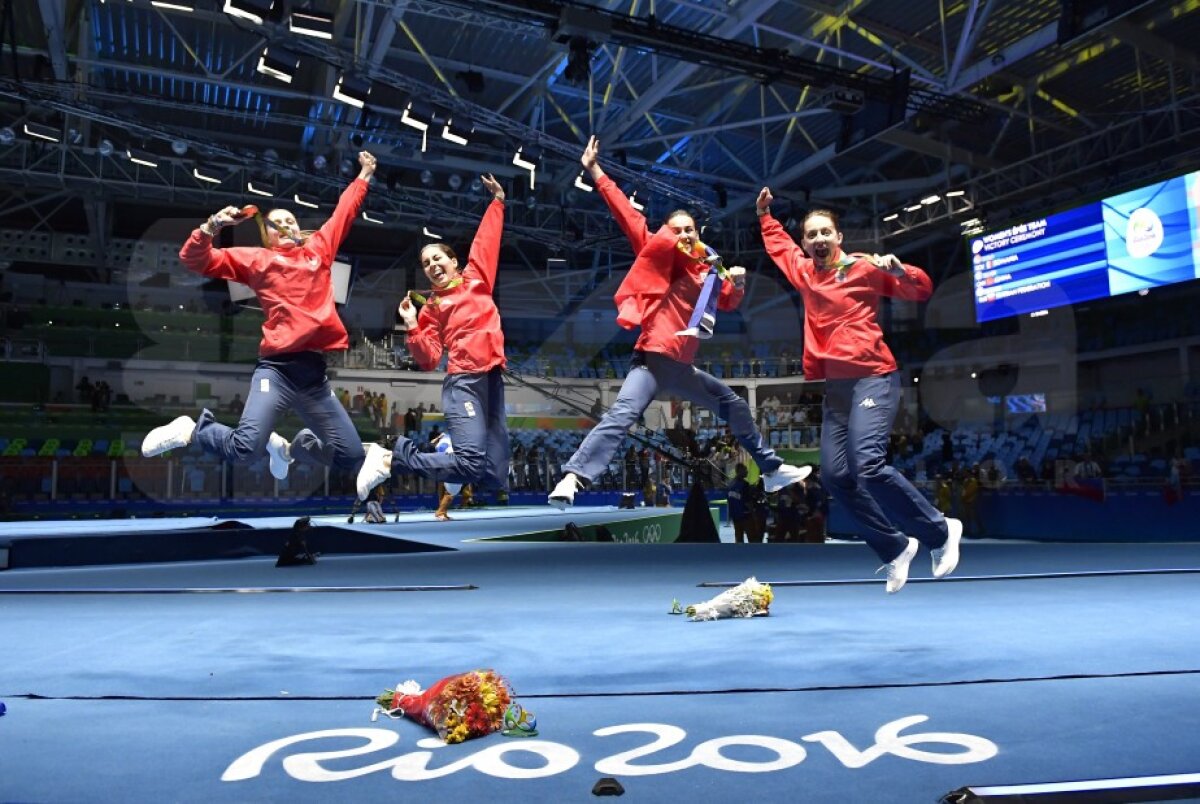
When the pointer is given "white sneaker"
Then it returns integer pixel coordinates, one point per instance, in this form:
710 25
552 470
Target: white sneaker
897 569
945 558
785 476
376 468
444 444
708 323
281 456
563 495
168 437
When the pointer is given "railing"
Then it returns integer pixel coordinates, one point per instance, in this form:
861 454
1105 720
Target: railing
166 480
181 479
798 425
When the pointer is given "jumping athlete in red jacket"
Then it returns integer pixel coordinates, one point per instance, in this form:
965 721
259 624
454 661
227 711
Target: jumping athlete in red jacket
461 318
659 294
292 280
843 345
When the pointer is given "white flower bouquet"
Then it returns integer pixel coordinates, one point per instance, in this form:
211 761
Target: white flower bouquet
748 599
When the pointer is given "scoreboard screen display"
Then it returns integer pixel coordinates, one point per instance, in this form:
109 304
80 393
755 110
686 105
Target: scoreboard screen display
1144 238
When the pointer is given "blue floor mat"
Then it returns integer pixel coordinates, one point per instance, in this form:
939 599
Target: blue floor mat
151 696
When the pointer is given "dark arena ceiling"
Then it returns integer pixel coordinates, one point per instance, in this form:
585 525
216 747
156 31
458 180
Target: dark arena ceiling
864 106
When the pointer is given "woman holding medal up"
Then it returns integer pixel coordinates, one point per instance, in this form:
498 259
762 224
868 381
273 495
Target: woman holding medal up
459 317
843 345
291 277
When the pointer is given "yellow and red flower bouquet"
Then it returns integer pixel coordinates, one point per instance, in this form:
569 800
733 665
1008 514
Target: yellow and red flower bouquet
458 707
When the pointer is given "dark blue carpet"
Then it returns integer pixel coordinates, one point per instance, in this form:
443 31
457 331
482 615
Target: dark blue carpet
806 746
1067 677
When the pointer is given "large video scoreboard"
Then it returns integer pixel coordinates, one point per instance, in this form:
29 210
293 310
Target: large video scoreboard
1140 239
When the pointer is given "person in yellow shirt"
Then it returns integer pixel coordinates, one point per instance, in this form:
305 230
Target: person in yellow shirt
970 502
942 495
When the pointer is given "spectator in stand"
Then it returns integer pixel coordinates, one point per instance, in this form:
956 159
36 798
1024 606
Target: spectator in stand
84 387
800 423
943 494
741 496
969 499
104 395
644 466
790 513
520 472
1141 403
533 460
1177 472
1181 466
1087 468
235 405
762 508
662 493
817 504
992 474
630 460
1026 474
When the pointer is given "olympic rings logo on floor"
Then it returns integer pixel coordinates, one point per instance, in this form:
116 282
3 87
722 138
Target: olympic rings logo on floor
557 758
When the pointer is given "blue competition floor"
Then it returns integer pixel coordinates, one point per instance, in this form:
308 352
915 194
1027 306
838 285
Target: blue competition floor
1013 671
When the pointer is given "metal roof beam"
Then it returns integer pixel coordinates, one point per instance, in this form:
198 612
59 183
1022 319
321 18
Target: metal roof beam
899 186
973 26
1152 45
1042 38
53 16
919 143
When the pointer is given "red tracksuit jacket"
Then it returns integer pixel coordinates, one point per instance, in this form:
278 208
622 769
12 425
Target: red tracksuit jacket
464 318
842 338
293 283
662 287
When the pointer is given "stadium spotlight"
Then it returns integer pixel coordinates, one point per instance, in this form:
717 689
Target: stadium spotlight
311 23
279 62
528 157
43 132
254 10
351 90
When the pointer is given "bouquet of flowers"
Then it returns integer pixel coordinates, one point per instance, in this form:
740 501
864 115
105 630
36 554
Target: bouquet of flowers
458 707
748 599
